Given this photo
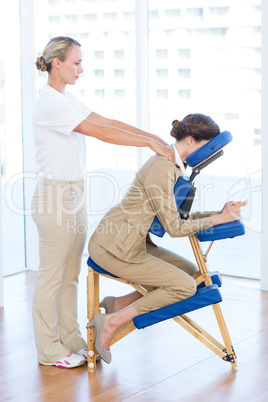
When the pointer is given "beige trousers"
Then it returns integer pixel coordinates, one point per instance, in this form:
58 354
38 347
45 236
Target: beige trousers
168 274
59 211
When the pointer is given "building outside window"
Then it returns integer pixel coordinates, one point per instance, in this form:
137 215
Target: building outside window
212 58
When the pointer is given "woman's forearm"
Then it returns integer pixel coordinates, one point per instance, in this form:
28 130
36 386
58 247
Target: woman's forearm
113 135
104 121
127 127
118 136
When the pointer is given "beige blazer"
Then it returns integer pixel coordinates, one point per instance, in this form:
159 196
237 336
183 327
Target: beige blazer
124 228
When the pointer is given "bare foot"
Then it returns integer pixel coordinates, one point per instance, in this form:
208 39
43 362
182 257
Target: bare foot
124 301
114 321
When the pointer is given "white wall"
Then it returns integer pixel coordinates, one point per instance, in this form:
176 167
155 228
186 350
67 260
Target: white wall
264 132
1 249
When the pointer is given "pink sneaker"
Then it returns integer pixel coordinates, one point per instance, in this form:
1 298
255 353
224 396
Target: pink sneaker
82 352
70 361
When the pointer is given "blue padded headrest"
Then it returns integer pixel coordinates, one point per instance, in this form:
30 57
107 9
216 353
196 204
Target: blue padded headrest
209 149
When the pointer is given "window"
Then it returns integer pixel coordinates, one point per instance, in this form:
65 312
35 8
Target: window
11 143
173 13
221 79
231 116
161 53
108 58
119 93
71 18
213 63
218 31
110 16
184 93
99 55
162 93
219 10
90 17
195 12
54 19
119 73
119 54
162 73
100 93
153 13
184 72
99 73
129 15
184 53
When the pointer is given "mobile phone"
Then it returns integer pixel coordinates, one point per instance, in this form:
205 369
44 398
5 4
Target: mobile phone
245 199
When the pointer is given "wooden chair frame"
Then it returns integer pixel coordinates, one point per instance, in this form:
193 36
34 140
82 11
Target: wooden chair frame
224 351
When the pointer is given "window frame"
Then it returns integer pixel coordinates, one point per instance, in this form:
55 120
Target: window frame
27 100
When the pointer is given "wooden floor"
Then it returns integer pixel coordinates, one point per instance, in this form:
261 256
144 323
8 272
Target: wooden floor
160 363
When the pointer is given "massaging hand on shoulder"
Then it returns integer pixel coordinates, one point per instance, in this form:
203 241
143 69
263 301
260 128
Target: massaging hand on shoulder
229 213
162 150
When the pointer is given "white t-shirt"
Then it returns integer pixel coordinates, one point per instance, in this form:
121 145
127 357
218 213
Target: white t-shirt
60 151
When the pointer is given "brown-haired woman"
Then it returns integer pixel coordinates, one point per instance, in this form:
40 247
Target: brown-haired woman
119 243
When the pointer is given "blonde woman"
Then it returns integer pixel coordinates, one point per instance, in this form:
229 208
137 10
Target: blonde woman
61 124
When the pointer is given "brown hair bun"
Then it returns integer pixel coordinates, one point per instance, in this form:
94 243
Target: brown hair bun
41 64
197 125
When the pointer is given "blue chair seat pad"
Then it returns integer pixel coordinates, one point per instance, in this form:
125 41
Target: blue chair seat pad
215 275
203 297
98 269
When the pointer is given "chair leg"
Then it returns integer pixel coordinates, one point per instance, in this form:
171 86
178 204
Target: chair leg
92 285
203 272
201 335
201 262
225 351
96 294
200 330
229 349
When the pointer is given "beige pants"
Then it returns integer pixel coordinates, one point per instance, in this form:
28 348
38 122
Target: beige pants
59 211
166 272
